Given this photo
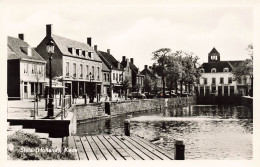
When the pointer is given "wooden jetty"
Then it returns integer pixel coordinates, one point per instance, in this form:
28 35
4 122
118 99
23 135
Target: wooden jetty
108 147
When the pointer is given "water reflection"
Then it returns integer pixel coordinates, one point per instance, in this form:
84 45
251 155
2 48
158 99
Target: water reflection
209 132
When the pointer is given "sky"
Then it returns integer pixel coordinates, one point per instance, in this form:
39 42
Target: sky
136 29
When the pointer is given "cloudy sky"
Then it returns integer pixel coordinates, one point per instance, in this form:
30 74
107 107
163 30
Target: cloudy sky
136 29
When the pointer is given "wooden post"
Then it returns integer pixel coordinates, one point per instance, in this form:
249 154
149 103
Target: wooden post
127 127
179 149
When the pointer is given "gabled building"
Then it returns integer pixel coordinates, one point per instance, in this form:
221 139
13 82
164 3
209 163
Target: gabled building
75 62
132 72
217 79
106 73
116 73
25 69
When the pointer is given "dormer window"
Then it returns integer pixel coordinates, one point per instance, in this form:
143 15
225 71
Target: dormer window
213 70
202 70
27 50
225 70
90 55
71 50
84 53
78 52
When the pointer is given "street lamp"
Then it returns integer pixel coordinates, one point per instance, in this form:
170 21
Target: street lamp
91 99
50 50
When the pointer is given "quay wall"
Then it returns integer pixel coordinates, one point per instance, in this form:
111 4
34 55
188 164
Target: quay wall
106 109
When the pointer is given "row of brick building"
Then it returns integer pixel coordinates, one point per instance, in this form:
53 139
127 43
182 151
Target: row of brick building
77 68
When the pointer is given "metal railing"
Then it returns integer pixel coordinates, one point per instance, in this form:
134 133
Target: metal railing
60 103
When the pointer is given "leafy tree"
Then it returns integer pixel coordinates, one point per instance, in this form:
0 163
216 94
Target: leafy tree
161 57
173 71
245 69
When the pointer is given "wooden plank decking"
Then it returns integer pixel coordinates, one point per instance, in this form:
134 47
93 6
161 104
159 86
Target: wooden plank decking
106 147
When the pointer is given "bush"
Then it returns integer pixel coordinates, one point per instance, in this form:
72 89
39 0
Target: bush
19 142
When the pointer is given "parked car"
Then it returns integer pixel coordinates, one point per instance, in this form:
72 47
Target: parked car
137 95
149 95
160 94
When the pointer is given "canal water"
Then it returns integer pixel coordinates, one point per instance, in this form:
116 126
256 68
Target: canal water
209 132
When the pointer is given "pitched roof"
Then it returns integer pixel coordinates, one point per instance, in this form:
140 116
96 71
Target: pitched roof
214 50
220 65
149 72
14 50
132 66
110 60
65 43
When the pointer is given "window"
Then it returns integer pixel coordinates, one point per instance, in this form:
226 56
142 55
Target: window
213 81
89 54
114 76
87 71
81 71
117 77
33 69
79 52
67 69
226 70
39 69
25 87
214 57
222 80
229 80
108 77
84 53
25 68
93 72
202 70
105 77
74 70
213 70
205 81
32 88
98 73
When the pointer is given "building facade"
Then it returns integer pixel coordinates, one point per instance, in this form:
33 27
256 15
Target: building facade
75 62
217 78
157 79
116 73
26 70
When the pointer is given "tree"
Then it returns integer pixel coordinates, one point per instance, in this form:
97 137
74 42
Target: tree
126 84
245 69
173 72
161 57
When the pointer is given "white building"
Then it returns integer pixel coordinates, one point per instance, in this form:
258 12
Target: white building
217 79
26 70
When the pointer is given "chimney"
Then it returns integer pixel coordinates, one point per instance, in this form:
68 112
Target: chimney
108 51
95 47
49 30
89 41
132 60
123 58
145 66
127 62
21 36
150 67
